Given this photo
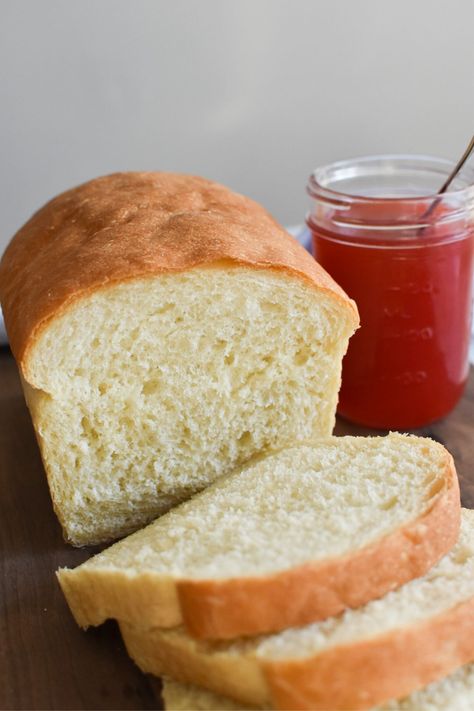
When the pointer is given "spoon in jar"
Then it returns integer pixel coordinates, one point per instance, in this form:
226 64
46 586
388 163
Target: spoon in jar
465 156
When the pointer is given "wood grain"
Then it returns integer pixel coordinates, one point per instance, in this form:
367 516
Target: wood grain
46 662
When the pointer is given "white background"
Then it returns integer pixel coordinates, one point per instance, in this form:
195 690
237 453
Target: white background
253 93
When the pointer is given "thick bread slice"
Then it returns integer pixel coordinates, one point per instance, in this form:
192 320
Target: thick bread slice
166 330
453 693
294 537
387 649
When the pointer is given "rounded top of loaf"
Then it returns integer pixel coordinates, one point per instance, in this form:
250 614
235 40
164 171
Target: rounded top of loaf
131 225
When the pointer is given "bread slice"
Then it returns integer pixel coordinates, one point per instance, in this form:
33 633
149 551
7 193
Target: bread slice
384 650
166 329
453 693
188 697
294 537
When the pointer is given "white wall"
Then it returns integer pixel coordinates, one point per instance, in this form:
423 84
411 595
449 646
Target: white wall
253 93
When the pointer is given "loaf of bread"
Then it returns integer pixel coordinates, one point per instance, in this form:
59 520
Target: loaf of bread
297 536
453 693
386 649
166 330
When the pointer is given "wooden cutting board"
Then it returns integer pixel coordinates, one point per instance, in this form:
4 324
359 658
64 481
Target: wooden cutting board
46 662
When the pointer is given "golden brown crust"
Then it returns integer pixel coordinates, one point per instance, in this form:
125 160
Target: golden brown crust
353 676
91 598
129 225
224 609
373 671
167 654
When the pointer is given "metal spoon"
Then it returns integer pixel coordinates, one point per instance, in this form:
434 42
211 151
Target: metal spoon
465 156
467 153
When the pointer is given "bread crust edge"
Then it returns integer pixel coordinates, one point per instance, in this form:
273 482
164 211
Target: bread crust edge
225 609
373 671
356 676
128 226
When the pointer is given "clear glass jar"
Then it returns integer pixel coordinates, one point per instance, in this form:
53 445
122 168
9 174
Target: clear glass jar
406 257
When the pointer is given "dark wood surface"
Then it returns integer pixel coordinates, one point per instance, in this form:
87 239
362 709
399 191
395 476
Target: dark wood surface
46 662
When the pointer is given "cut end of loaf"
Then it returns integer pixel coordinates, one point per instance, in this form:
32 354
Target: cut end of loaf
145 392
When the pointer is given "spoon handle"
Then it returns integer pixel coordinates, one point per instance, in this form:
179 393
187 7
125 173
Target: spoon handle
467 153
457 167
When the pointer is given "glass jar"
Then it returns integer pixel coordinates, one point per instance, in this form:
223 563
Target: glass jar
405 256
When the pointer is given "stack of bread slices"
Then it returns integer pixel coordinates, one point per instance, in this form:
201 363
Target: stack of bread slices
181 358
332 575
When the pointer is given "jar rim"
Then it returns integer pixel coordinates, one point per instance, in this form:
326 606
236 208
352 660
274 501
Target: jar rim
322 176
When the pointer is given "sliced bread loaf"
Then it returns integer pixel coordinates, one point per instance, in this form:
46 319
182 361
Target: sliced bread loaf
294 537
166 329
453 693
387 649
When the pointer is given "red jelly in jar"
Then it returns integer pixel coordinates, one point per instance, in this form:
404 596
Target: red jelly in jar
406 257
